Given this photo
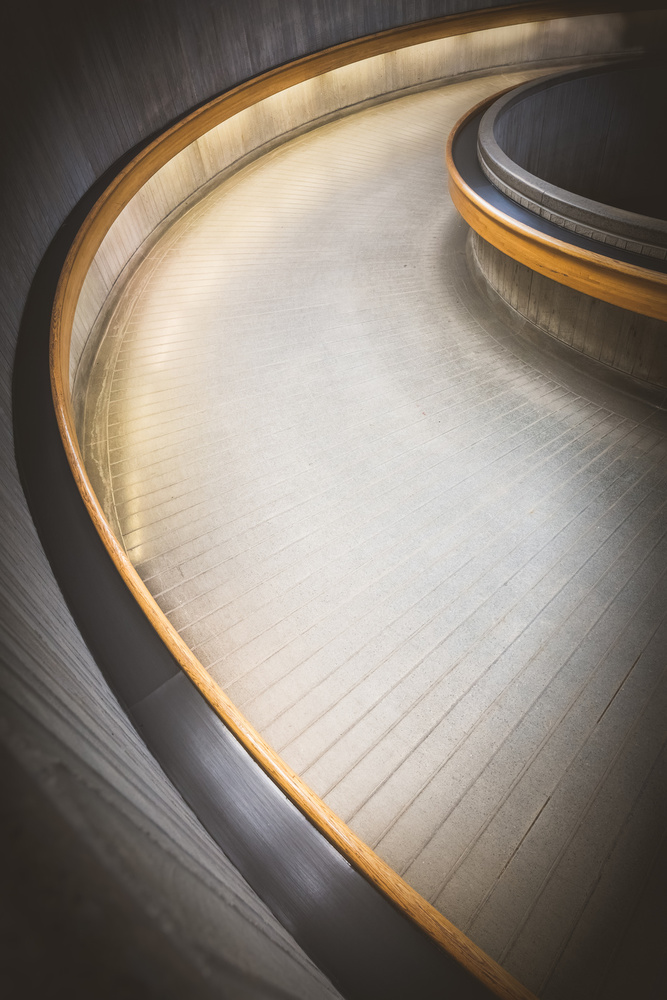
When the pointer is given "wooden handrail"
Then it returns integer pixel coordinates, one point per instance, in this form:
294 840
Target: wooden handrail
627 285
84 247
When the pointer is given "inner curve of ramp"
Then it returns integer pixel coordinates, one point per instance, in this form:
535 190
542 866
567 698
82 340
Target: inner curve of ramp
424 560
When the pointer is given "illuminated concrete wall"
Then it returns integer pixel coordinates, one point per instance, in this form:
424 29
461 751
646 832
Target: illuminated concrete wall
254 130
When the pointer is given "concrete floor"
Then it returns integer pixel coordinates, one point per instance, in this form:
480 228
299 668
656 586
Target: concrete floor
426 562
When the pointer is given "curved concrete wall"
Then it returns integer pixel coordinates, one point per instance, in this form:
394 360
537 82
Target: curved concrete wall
631 347
621 152
237 140
615 120
116 889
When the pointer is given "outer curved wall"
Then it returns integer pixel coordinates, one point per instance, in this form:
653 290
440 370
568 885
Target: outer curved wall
251 132
113 878
113 887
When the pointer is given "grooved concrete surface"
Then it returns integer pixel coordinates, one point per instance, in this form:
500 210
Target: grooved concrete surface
427 564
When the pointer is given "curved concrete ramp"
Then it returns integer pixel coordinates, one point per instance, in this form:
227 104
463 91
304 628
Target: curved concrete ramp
425 562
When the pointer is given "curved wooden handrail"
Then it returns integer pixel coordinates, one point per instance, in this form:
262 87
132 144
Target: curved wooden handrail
86 243
627 285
